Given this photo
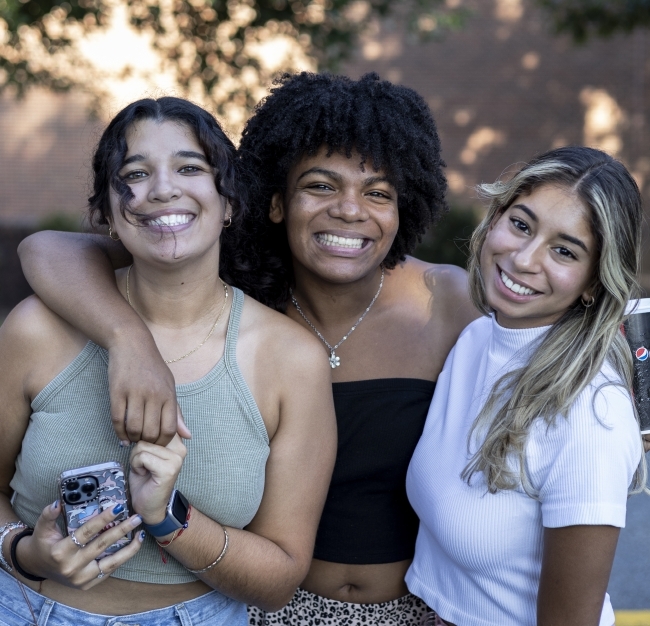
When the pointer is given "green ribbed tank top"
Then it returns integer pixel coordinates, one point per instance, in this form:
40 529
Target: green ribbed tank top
223 472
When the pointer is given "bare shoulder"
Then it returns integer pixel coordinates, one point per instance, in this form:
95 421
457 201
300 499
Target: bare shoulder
30 321
33 338
290 347
445 287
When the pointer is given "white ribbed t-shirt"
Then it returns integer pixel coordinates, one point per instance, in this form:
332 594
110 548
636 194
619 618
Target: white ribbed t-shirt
478 555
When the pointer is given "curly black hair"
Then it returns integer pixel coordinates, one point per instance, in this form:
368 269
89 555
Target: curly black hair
238 254
389 126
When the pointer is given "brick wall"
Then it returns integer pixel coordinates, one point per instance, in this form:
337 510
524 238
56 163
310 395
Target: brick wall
504 88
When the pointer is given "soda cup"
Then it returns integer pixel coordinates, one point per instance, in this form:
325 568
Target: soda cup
637 333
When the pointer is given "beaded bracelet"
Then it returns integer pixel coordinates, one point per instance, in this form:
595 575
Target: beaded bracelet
223 553
4 531
14 543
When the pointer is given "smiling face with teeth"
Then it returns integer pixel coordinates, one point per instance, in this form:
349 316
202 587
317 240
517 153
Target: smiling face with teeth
341 219
538 258
176 205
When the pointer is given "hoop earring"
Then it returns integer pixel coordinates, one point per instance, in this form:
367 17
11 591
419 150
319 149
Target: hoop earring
110 234
588 303
229 224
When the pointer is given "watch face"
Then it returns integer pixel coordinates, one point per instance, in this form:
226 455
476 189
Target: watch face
179 507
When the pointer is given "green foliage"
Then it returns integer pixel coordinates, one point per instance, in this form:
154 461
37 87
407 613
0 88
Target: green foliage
17 13
446 241
601 18
326 29
60 221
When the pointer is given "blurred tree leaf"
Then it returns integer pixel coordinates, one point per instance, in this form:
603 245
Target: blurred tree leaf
217 49
601 18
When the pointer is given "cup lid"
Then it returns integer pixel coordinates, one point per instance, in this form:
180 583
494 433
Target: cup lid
638 306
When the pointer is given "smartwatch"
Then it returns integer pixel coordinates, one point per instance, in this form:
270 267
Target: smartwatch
176 517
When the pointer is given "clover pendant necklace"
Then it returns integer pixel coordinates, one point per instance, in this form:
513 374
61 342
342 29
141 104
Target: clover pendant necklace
335 361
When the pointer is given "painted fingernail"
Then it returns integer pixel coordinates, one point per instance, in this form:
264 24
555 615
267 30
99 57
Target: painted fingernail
118 509
124 443
55 505
137 520
142 535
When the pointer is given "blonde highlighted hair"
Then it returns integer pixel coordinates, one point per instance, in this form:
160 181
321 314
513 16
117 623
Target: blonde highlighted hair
575 348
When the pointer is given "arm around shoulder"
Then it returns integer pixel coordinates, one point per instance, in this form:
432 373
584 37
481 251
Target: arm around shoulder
74 275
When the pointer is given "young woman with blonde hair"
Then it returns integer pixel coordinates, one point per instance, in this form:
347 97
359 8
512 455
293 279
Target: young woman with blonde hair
521 476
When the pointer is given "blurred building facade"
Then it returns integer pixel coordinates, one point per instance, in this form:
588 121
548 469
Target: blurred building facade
502 89
505 88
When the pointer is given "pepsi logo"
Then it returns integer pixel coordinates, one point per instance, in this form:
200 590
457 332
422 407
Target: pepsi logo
641 353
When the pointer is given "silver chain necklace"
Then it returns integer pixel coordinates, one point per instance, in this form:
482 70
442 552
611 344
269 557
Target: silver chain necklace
335 361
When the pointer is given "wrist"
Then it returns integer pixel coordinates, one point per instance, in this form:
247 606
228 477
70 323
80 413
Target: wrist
9 531
175 517
128 332
23 552
152 519
20 552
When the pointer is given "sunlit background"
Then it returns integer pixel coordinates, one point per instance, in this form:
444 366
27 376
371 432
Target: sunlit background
505 79
501 82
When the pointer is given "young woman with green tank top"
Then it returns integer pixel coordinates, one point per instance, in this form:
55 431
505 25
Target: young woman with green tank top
253 387
349 178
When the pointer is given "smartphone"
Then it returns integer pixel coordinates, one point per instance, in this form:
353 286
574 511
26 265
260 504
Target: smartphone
88 491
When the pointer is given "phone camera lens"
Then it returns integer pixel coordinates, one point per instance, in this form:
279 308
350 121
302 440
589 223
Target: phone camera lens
88 488
73 485
74 497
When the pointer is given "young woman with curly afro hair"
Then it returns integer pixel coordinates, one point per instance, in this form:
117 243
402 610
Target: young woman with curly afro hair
344 177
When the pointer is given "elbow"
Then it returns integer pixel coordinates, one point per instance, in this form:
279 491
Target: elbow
27 246
277 596
30 246
278 601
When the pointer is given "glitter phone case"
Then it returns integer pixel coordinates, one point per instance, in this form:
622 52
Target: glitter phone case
88 491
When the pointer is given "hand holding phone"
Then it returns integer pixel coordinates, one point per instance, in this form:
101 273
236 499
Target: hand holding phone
88 491
49 554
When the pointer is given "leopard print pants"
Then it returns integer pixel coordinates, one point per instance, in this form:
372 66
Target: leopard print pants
308 609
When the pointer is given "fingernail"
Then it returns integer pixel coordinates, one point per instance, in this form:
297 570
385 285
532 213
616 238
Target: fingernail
55 505
124 443
142 535
118 509
137 520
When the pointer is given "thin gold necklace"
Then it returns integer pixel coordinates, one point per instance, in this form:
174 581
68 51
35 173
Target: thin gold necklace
223 306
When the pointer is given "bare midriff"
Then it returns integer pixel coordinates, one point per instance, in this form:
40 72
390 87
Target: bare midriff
116 596
360 584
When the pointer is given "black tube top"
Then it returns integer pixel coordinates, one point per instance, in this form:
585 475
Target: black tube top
367 517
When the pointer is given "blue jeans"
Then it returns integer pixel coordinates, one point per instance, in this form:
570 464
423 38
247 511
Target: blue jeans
211 609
